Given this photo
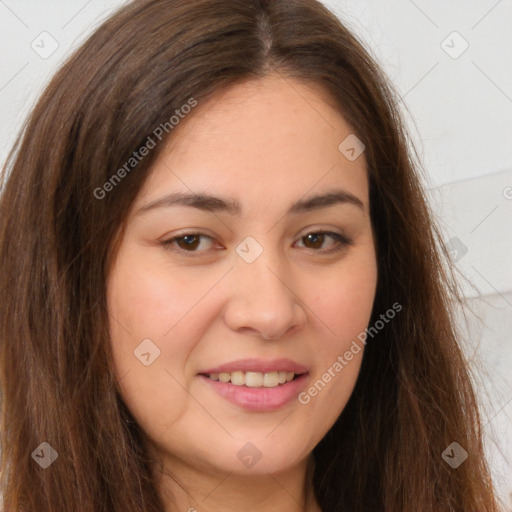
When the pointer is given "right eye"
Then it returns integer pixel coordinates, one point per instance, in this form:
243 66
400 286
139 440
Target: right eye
186 243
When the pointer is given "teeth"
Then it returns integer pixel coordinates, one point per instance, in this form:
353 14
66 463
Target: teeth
254 379
271 380
237 378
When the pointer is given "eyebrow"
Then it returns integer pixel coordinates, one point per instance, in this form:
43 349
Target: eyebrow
206 202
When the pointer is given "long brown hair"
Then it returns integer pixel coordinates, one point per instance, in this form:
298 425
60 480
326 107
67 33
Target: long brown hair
58 239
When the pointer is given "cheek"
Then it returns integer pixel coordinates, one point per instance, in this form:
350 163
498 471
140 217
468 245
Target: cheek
147 299
345 300
344 308
147 313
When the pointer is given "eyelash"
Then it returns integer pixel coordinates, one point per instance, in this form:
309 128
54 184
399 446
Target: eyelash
342 242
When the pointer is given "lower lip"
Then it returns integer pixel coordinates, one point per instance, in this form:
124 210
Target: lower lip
258 399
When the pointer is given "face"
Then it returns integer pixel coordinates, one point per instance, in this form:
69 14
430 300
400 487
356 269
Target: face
277 275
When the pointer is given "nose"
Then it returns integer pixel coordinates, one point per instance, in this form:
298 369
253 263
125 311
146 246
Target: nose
263 300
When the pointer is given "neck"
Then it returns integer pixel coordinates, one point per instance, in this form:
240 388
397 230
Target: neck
189 489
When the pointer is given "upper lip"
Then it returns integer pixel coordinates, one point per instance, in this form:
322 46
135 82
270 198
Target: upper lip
259 365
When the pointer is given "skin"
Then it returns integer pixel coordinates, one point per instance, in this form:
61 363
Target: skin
266 143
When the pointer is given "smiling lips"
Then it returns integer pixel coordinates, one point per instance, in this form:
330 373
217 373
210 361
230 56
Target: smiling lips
254 379
257 385
256 373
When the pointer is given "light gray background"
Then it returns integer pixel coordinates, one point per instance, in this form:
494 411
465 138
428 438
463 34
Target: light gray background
459 110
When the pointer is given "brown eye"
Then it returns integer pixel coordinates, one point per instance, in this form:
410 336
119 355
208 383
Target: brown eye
315 241
187 243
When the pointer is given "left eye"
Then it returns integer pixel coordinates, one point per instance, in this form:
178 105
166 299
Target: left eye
317 238
191 241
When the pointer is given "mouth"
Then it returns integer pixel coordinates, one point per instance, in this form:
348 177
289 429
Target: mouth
254 379
257 385
257 391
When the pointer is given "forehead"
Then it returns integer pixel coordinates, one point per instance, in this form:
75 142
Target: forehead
273 137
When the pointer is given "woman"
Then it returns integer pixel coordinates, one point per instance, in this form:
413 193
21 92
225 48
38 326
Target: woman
222 287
